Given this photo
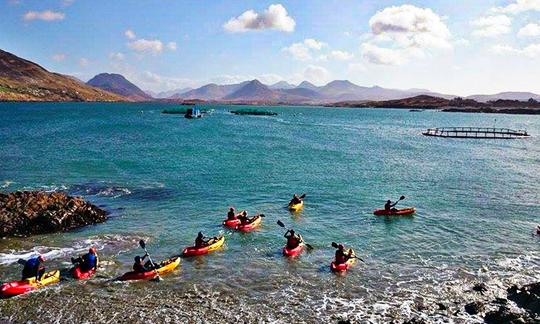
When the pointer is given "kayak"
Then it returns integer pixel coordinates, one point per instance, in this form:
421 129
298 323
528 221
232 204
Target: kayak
293 252
193 251
165 267
15 288
397 212
78 274
255 222
296 207
231 223
343 266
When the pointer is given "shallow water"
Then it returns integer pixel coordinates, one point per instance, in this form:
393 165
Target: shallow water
164 178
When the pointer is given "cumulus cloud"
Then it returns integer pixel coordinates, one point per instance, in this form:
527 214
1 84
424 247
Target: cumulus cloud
303 51
59 57
399 33
492 26
46 15
316 74
274 17
83 61
171 46
519 6
130 34
117 56
142 45
530 51
340 55
530 30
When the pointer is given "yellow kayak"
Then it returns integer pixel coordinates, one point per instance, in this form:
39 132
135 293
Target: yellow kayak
164 268
213 245
296 207
344 266
20 287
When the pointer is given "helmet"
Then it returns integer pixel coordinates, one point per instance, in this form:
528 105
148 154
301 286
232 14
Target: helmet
92 250
41 258
292 231
137 259
231 209
341 247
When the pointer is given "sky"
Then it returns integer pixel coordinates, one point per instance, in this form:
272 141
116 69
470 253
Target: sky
454 47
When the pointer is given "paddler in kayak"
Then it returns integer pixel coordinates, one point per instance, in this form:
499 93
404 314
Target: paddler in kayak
201 242
231 215
140 266
87 261
341 256
34 268
389 206
293 239
295 200
244 219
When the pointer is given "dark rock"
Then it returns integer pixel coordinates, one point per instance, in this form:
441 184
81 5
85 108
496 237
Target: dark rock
36 212
442 306
504 315
415 320
527 297
344 322
480 287
500 301
474 308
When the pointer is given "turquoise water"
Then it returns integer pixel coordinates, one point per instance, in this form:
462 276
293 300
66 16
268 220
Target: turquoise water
164 178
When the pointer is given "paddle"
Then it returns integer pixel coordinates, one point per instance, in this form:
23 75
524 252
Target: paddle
301 198
400 199
280 223
143 246
335 245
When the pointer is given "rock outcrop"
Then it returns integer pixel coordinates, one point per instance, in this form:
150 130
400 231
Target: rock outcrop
24 213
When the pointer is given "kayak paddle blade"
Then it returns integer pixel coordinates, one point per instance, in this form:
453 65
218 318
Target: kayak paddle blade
280 224
309 246
157 279
402 197
21 261
262 215
142 244
335 245
303 196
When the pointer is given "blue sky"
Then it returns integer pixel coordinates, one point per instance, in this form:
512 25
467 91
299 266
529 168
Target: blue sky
458 47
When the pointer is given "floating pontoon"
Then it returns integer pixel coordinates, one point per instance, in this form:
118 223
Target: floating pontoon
476 132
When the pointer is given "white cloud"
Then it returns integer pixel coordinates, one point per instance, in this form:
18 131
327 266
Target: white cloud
83 61
142 45
519 6
530 30
130 34
275 17
303 51
340 55
530 51
171 46
316 74
59 57
46 15
410 26
380 55
492 26
117 56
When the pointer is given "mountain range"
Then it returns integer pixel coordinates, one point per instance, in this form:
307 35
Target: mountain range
22 80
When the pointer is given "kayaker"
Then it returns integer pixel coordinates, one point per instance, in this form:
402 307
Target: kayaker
293 239
231 215
140 266
295 200
88 261
243 217
341 256
389 206
34 267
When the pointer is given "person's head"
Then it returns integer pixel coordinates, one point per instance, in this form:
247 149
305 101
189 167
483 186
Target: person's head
341 247
92 250
295 196
292 232
231 209
41 258
200 235
388 202
244 213
138 259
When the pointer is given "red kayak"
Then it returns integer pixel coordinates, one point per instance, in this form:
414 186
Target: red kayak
14 288
255 222
78 274
396 212
231 223
293 252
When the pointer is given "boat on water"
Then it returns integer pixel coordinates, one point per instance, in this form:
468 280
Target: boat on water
193 113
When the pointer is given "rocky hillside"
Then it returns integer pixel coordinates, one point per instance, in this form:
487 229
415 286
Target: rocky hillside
22 80
36 212
118 84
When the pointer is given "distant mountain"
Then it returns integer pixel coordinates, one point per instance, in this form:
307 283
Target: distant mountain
253 90
505 96
212 91
23 80
176 93
303 92
308 85
116 83
281 85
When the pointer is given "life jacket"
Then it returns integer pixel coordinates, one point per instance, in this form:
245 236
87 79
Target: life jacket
340 257
89 261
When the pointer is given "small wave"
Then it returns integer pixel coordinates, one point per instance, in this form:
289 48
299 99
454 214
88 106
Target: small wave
6 183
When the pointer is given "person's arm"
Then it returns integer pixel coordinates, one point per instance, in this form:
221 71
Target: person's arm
392 205
286 233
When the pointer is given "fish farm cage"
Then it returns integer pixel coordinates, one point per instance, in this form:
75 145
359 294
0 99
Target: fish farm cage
476 132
